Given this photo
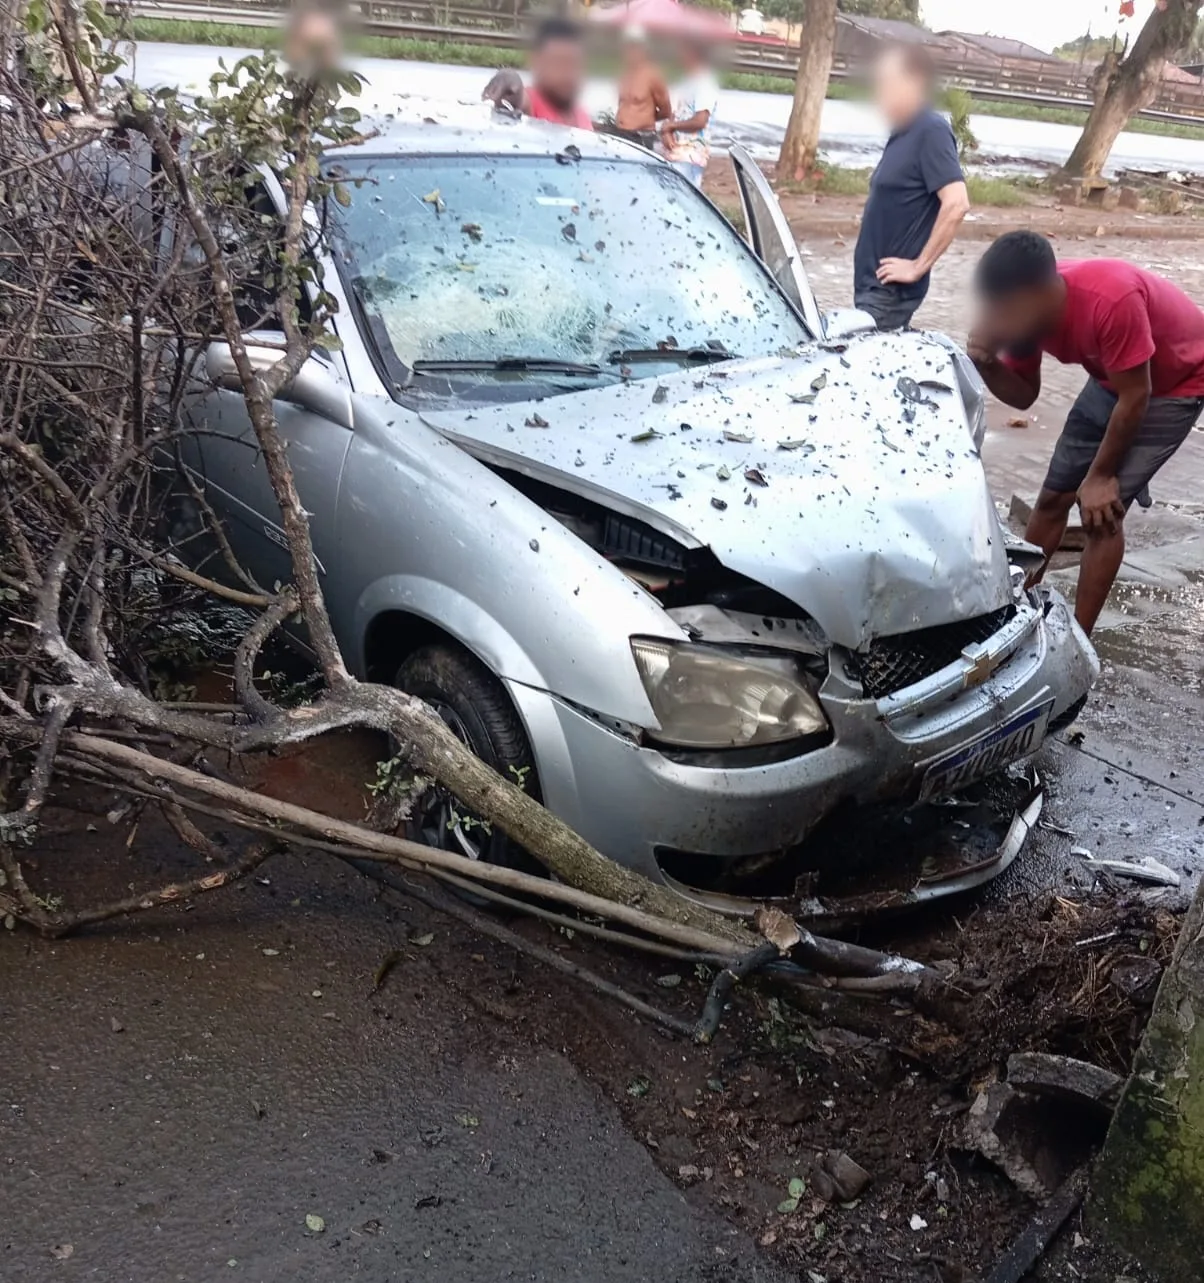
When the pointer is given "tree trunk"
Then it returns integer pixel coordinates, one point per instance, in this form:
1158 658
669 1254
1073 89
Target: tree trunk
1133 86
817 43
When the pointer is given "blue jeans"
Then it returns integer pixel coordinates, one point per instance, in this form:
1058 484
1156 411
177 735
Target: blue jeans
693 173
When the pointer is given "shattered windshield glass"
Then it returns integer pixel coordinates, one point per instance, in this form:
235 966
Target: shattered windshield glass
530 261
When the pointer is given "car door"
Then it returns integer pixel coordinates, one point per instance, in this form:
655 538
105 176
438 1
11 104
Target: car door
771 238
316 430
236 477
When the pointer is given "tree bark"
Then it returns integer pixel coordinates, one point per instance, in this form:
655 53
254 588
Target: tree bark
1132 86
800 147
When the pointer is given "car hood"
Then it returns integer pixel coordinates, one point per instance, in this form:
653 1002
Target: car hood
819 476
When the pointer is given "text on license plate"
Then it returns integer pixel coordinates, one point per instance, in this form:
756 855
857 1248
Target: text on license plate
983 757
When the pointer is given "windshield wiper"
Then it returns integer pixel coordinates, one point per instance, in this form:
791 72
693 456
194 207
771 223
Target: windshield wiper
713 351
505 364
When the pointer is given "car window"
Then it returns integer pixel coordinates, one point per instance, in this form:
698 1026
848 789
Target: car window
467 258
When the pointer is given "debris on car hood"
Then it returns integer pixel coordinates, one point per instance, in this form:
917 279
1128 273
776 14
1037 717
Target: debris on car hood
821 477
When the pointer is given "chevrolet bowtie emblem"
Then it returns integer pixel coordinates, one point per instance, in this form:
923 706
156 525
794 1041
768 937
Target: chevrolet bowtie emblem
980 664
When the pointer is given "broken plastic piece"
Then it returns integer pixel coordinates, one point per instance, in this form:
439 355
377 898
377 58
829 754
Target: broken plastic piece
1148 870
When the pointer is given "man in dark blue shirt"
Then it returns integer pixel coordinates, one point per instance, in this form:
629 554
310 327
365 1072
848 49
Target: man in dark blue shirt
917 194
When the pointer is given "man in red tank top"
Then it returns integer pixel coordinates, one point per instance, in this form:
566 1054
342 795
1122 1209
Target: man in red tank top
1141 341
557 77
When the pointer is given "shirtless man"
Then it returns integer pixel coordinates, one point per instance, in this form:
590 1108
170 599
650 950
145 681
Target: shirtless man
643 97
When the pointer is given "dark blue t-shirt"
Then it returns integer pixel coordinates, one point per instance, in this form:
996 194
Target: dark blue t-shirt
902 207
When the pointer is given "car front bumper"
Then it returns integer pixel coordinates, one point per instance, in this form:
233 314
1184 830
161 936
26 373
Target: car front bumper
629 800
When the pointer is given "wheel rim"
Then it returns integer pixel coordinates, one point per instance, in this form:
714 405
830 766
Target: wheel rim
442 821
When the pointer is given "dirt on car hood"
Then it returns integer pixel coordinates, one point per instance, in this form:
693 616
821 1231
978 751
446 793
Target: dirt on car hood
820 476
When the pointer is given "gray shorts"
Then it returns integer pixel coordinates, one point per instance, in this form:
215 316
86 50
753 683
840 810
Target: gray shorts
1164 429
888 305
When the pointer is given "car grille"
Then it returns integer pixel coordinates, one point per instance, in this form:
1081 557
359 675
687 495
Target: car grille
894 663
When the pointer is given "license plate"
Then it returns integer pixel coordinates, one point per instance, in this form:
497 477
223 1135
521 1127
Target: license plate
992 752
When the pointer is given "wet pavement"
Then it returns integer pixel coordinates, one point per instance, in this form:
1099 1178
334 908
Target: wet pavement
178 1095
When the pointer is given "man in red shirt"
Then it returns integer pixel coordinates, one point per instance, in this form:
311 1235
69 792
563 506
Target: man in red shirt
557 78
1141 341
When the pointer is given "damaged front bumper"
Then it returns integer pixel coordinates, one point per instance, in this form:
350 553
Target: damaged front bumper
638 804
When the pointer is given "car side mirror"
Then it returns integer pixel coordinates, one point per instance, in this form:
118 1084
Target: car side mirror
315 387
844 322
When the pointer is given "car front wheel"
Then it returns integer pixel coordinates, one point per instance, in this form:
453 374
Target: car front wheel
476 709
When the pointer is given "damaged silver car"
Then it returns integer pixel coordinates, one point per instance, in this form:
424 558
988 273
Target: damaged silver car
593 476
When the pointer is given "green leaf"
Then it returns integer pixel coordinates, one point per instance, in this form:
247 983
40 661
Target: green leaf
468 1120
314 1223
670 981
638 1086
342 195
788 1205
797 1187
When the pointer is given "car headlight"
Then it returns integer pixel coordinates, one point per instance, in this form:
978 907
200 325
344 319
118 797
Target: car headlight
707 697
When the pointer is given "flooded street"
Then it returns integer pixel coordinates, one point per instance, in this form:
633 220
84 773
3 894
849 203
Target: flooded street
851 131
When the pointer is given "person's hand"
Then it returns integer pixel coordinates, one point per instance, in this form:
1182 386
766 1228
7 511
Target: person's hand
505 89
981 351
1100 505
668 139
899 271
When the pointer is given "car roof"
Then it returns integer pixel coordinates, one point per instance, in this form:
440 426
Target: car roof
425 127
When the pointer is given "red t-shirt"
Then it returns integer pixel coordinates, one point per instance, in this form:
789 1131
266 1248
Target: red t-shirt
1118 317
541 109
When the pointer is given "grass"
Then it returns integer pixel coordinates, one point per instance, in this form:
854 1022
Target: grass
835 180
1002 193
227 33
235 35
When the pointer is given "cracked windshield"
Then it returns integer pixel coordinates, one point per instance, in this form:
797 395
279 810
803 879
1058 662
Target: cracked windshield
546 260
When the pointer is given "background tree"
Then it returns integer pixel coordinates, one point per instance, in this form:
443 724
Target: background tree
800 146
1132 84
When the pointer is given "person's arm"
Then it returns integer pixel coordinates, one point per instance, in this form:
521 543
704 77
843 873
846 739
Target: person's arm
955 205
1125 344
1099 495
506 89
694 124
660 99
1015 383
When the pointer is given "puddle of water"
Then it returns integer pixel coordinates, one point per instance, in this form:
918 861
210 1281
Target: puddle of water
1157 629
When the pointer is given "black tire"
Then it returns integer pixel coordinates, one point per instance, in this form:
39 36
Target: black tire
476 708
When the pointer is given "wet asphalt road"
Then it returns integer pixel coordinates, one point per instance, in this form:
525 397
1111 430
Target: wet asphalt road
175 1101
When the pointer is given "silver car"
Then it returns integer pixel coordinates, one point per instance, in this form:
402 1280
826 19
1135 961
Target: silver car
592 475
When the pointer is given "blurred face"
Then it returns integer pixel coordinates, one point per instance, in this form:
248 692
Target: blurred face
314 43
898 91
635 54
692 55
558 71
1016 320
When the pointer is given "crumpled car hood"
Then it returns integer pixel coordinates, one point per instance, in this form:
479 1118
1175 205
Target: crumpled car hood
873 524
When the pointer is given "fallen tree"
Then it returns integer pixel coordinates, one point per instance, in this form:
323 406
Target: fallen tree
129 245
